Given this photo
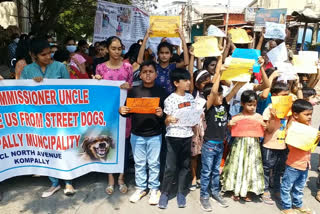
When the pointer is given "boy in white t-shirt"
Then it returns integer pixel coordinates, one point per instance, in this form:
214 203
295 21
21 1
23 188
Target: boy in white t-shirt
178 138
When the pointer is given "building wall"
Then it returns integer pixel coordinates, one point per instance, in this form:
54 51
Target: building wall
291 5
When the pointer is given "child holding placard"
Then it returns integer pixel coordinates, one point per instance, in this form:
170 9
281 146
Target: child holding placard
297 165
216 116
178 138
146 135
274 152
243 171
164 67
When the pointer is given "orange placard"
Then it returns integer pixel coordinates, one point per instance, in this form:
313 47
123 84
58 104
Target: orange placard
247 128
143 105
282 105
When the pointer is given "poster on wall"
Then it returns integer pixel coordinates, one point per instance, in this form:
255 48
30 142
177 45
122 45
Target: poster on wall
127 22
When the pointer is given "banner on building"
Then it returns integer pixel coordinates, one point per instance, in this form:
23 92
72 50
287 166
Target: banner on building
127 22
61 128
269 15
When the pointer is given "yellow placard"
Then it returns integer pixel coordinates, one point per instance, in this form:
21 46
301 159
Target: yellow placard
238 70
239 36
282 105
164 26
302 136
206 46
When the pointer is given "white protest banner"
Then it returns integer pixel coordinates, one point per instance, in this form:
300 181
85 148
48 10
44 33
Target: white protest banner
275 31
286 71
304 64
188 116
127 22
215 31
278 54
61 128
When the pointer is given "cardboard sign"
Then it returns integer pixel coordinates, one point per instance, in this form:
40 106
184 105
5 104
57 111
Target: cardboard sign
238 70
215 31
143 105
269 15
239 36
286 71
278 54
206 46
282 105
188 117
275 31
302 136
247 128
164 26
304 64
248 54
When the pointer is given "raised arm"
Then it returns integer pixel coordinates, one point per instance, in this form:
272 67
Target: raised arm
213 96
185 51
259 45
143 46
265 81
190 68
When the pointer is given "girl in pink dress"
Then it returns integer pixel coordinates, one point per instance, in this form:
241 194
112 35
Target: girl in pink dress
116 69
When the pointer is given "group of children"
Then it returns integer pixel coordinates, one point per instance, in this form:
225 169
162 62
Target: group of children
242 165
251 164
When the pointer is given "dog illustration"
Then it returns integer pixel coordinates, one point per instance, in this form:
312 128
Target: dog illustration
97 148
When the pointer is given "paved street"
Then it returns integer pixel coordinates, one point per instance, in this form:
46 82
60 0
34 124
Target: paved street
23 195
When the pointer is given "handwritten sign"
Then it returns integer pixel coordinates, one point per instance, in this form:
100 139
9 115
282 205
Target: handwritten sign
248 54
215 31
247 128
304 64
282 105
286 71
278 54
275 31
188 117
206 46
143 105
239 36
238 70
302 136
164 26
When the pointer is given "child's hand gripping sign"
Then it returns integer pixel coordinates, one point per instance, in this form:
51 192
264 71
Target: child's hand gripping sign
282 105
165 26
143 105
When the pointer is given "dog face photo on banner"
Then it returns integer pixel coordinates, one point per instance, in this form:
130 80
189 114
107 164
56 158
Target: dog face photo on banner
97 148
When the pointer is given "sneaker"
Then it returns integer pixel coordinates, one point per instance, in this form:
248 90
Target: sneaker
221 201
290 211
205 204
266 198
181 200
154 197
50 191
137 195
303 210
69 190
163 201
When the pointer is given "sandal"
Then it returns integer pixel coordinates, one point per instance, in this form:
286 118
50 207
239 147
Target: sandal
266 198
247 199
110 189
122 186
303 210
318 196
235 198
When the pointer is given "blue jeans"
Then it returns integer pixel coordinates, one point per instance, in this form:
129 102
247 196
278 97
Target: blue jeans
293 182
146 150
211 155
55 181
